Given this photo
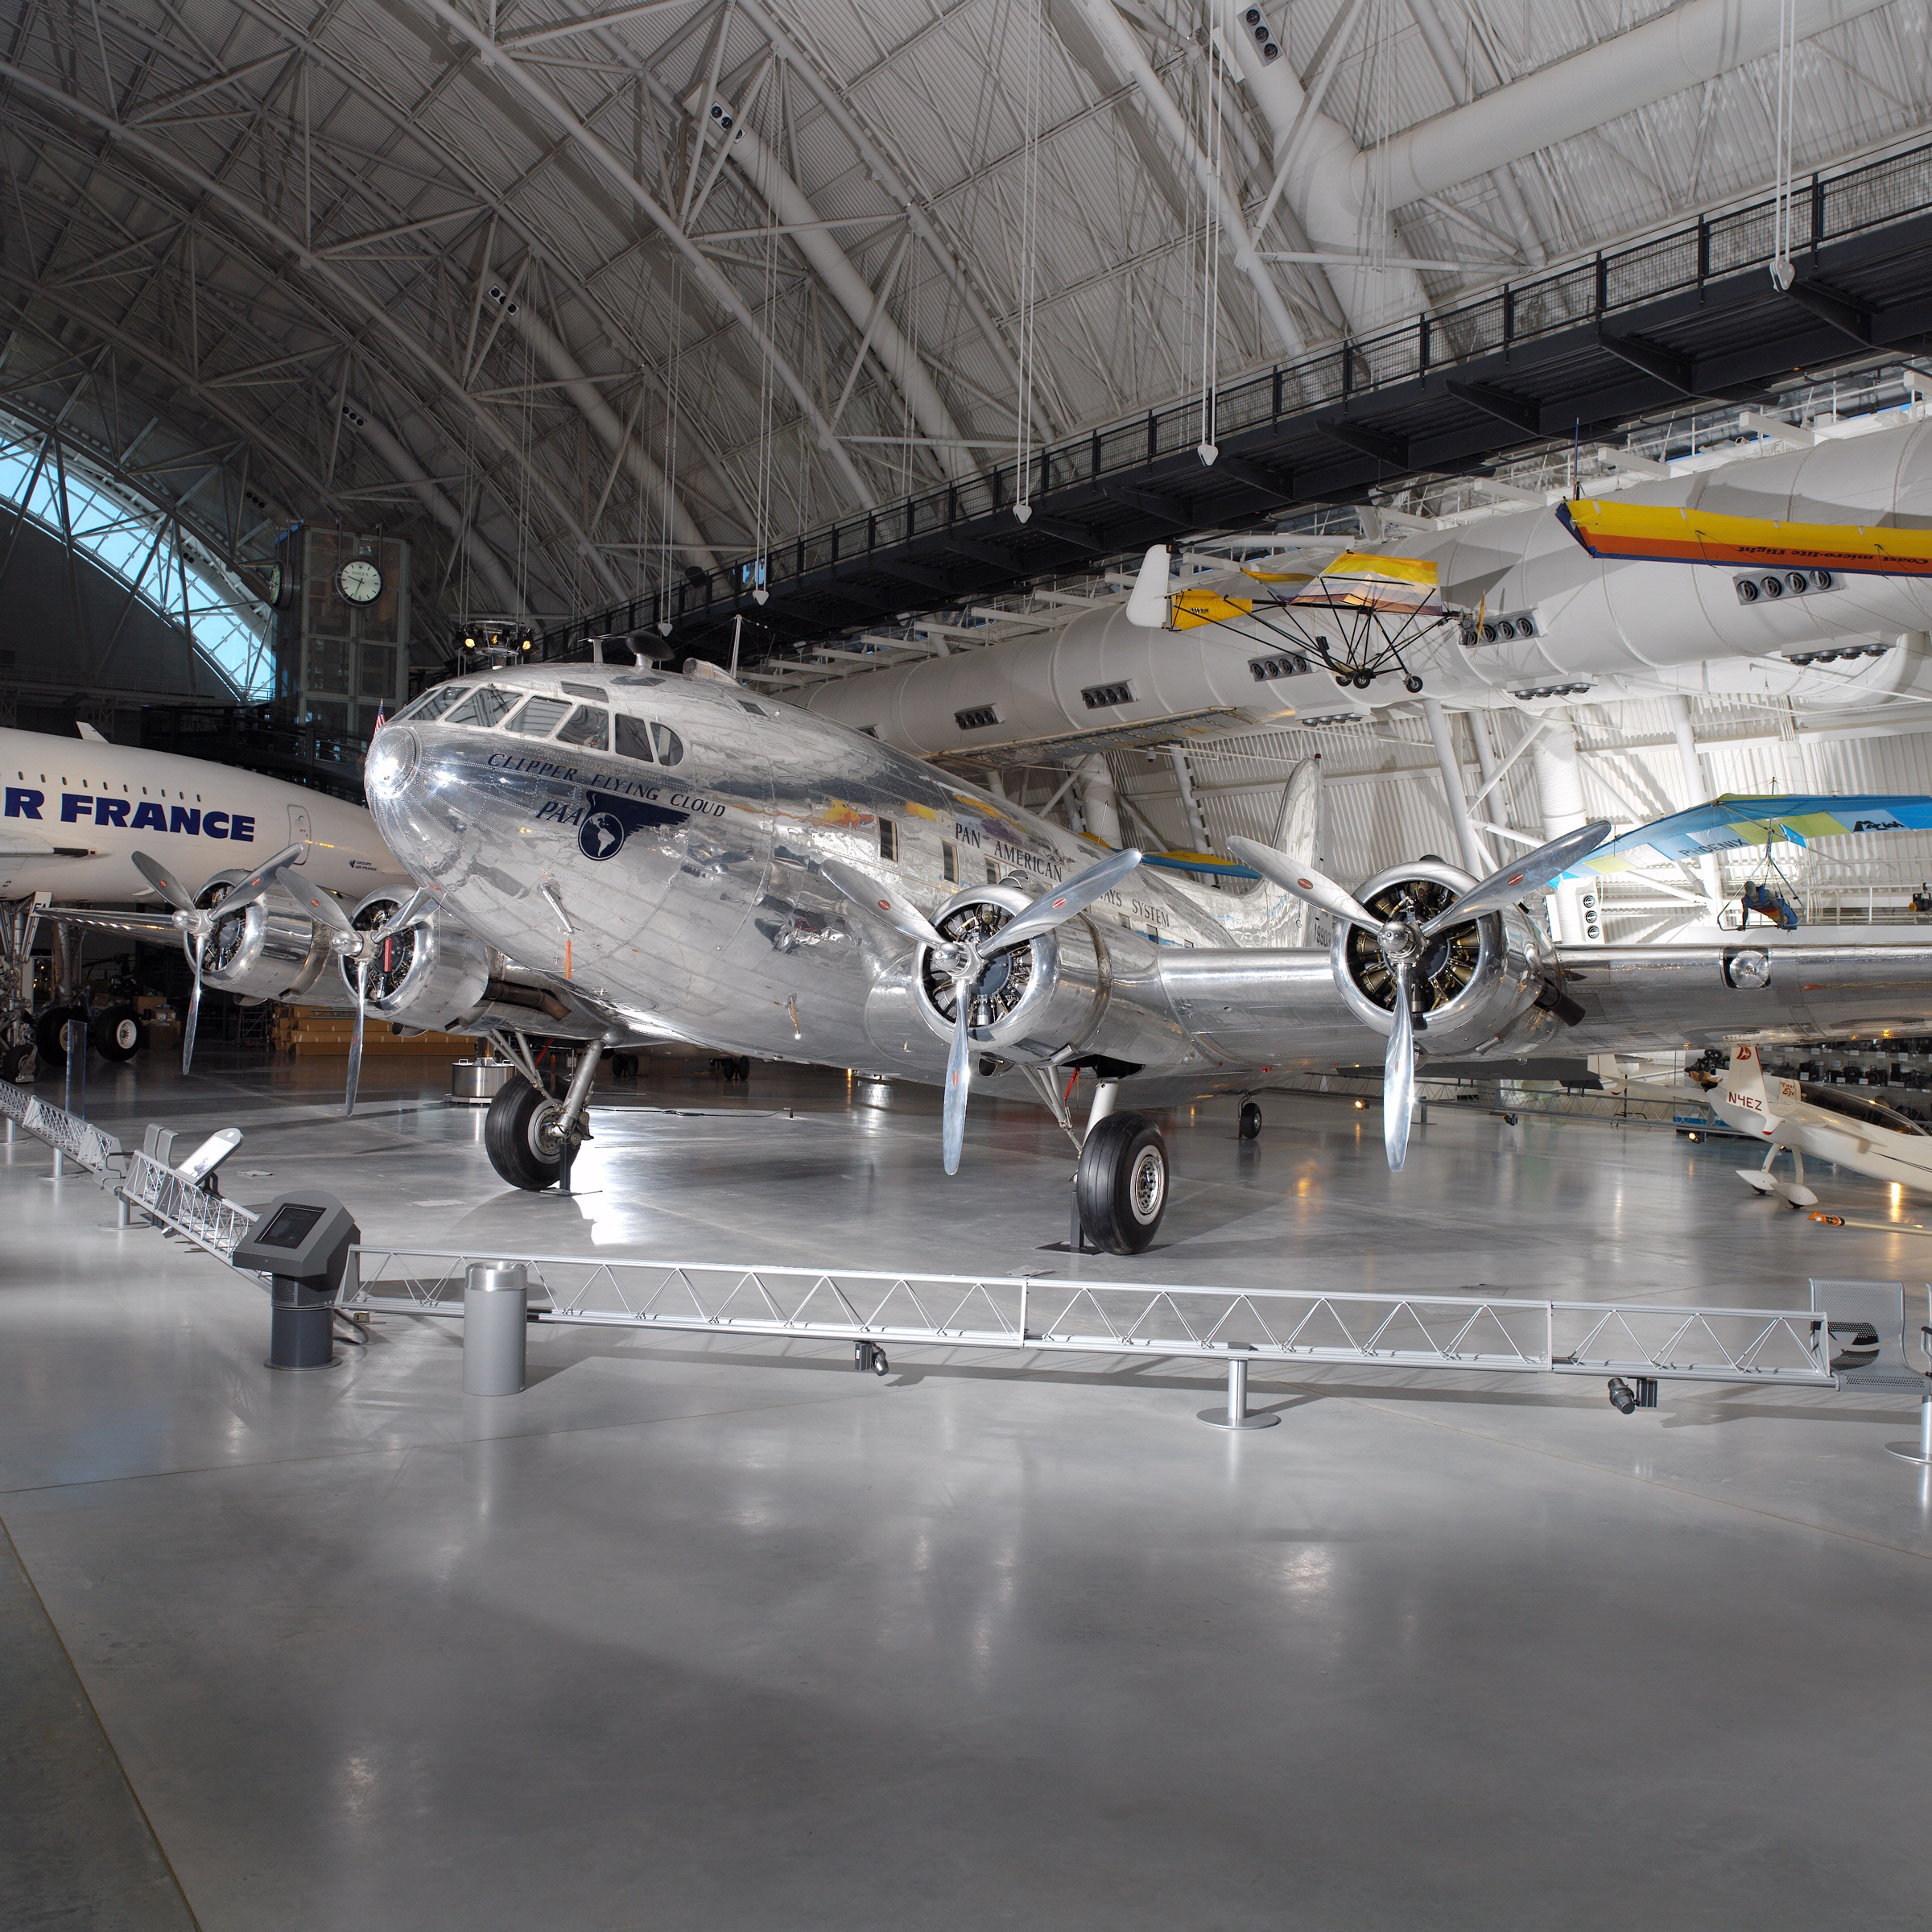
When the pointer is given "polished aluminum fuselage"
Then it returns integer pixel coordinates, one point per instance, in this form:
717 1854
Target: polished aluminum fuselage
682 901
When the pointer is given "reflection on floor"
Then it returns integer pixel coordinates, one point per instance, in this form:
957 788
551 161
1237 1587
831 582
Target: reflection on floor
721 1633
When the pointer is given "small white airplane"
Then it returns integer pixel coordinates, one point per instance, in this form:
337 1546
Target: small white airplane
74 814
1826 1122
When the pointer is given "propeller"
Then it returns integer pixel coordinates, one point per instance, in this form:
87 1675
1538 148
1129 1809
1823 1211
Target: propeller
900 914
350 941
196 922
970 959
1403 940
967 959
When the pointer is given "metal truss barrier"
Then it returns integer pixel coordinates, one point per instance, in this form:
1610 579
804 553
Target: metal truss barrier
69 1135
1258 1325
157 1190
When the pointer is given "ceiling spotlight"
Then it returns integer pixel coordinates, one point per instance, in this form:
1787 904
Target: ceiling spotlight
525 646
1360 1105
469 643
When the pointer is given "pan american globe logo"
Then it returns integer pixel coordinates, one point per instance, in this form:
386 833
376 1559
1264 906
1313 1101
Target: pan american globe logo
600 835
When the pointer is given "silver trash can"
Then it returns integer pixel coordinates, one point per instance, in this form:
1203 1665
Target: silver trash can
496 1302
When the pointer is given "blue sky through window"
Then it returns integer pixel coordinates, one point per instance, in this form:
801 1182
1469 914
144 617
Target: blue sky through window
135 543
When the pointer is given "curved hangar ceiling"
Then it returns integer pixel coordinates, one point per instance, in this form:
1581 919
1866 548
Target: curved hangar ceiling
586 298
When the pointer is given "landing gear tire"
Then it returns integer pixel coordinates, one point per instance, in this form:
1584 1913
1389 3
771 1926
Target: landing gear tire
1251 1121
520 1136
50 1032
623 1066
16 1061
117 1034
1122 1184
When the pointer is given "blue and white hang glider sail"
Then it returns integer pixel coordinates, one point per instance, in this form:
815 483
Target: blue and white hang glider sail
1734 823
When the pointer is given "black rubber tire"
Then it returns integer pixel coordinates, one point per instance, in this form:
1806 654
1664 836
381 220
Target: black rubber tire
509 1138
117 1033
623 1066
1251 1121
1122 1184
47 1030
15 1060
745 1067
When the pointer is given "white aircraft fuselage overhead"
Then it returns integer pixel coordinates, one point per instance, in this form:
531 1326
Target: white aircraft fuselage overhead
1579 625
73 812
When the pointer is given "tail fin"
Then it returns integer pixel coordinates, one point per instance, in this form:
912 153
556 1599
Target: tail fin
1267 916
1297 828
1744 1086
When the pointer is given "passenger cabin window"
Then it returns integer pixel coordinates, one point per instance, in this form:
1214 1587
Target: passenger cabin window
539 717
634 739
670 747
992 872
484 707
889 838
586 726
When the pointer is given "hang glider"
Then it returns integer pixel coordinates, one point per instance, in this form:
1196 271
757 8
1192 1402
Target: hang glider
1734 822
1668 534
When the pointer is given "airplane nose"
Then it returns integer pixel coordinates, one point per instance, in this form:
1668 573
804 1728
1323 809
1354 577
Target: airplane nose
391 761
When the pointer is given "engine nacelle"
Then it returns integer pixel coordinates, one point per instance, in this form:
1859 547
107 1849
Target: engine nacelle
1477 986
269 951
1064 989
434 977
429 975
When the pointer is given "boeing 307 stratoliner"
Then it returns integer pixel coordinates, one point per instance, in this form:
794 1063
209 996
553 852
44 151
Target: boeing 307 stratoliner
609 852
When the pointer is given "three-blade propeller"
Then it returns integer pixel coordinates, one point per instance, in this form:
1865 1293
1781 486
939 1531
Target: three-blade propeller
1403 940
197 922
966 961
363 948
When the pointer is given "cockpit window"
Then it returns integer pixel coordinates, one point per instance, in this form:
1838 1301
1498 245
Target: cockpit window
484 707
586 726
1855 1107
432 703
633 740
539 717
670 747
632 680
584 690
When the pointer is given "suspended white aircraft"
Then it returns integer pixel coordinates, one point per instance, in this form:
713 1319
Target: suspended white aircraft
1826 1122
607 853
77 814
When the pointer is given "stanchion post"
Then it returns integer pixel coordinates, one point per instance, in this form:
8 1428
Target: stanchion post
1236 1415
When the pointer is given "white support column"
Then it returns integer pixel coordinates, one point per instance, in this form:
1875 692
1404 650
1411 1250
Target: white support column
1692 792
1575 906
1099 805
1441 735
1197 832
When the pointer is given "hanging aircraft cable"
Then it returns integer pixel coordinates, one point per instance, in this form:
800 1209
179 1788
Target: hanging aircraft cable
1031 25
762 165
1214 88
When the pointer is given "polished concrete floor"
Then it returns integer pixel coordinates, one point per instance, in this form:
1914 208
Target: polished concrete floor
718 1633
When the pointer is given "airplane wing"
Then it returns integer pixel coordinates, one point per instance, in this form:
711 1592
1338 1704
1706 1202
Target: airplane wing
1359 580
1731 822
17 844
1667 534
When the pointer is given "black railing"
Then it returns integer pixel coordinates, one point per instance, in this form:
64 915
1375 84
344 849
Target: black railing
1836 207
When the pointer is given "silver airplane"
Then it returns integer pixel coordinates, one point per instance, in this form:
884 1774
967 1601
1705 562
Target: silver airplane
610 853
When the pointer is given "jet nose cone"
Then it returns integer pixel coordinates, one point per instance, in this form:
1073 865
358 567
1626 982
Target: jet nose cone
391 762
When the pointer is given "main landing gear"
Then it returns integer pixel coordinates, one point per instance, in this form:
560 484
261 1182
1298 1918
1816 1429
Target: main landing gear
1121 1187
530 1136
